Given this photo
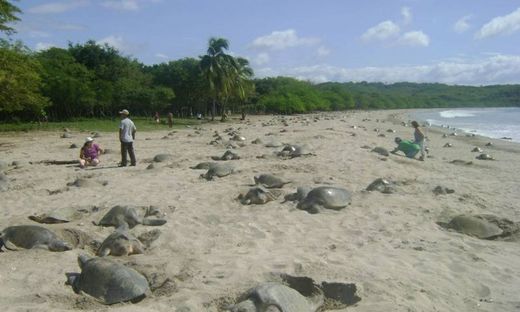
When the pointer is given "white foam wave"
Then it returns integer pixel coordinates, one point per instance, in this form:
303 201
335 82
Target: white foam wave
457 113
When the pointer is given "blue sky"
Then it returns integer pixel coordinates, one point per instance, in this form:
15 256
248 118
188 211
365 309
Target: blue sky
469 42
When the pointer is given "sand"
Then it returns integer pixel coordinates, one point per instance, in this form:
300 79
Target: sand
213 248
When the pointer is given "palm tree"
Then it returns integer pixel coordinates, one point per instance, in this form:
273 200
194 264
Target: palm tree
243 84
218 68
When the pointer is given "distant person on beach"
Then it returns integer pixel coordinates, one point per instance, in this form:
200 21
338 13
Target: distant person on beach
89 153
170 120
127 131
409 148
156 117
419 138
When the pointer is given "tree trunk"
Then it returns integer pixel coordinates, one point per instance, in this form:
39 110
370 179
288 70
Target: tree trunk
213 110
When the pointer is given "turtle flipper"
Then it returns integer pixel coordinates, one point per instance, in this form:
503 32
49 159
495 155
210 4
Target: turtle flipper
59 246
153 222
10 246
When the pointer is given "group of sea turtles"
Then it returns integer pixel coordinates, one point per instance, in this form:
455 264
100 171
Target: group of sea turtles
102 278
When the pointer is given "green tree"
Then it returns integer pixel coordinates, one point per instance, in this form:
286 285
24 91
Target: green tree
8 13
20 83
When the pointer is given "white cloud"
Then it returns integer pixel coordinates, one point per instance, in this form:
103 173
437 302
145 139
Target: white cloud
262 58
500 25
58 7
414 38
382 31
126 5
280 40
162 56
40 46
123 5
323 51
121 44
495 69
407 15
462 24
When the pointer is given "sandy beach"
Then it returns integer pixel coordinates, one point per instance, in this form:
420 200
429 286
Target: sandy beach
213 248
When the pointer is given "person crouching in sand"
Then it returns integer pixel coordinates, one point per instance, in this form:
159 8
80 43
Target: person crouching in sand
89 153
409 148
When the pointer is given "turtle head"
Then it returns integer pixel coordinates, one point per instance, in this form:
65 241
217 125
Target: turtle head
72 280
83 259
59 246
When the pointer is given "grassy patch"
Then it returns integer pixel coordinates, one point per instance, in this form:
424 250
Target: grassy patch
96 125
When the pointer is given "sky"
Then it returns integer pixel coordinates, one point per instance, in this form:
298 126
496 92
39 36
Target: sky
464 42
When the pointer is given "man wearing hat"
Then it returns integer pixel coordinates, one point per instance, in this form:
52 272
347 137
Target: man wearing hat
127 131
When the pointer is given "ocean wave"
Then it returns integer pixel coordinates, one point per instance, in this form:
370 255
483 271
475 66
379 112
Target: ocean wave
457 113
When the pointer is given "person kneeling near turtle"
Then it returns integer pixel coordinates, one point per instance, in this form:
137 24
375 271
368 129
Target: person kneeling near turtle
409 148
89 153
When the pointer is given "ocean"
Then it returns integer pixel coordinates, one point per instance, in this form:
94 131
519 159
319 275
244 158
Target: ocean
496 122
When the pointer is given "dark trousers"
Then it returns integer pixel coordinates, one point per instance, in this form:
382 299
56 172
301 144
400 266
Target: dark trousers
127 147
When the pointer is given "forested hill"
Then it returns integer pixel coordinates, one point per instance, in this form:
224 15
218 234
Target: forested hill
425 95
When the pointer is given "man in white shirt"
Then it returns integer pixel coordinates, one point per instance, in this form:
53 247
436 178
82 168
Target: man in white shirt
127 131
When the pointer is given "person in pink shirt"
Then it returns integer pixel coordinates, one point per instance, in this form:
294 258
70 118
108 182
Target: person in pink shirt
89 154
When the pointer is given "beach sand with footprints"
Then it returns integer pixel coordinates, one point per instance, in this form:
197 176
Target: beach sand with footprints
388 242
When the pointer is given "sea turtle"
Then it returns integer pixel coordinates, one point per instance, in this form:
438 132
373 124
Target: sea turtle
382 185
108 281
203 165
325 197
381 151
63 215
31 236
489 144
258 196
485 157
120 215
257 141
477 150
120 243
228 155
218 170
238 137
276 297
292 151
270 181
448 145
162 157
481 226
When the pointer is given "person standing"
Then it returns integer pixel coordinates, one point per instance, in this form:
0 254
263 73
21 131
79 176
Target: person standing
170 120
419 138
127 131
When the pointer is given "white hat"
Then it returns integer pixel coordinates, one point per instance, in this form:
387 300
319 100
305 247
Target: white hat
124 112
89 139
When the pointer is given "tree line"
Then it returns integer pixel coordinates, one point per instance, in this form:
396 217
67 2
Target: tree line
96 80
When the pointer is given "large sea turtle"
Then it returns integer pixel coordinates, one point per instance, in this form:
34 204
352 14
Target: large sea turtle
120 243
120 215
31 236
218 170
270 181
325 197
258 196
301 193
485 157
484 226
108 281
276 297
63 215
